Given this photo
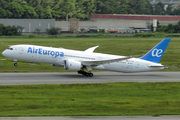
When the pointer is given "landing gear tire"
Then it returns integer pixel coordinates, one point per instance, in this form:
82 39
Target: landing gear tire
84 73
15 64
80 72
90 74
87 74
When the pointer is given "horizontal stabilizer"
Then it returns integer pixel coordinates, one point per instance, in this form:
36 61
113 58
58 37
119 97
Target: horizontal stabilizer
156 65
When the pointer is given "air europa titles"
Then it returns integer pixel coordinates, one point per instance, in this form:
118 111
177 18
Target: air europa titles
45 52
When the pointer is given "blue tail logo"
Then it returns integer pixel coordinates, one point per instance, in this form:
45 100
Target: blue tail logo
155 54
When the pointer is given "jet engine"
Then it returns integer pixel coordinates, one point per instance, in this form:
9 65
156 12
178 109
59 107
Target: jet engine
72 65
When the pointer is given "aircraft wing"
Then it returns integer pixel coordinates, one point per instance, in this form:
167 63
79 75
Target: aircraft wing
99 62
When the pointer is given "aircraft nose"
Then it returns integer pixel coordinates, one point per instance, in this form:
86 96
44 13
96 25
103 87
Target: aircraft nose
4 53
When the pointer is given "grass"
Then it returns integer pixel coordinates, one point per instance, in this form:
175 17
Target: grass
118 46
90 99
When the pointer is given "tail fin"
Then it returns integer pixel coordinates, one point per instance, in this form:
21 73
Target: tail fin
155 54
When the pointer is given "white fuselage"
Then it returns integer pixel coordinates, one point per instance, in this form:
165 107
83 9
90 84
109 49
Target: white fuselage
56 57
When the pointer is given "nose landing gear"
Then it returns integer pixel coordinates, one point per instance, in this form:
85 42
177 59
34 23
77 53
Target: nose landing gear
15 64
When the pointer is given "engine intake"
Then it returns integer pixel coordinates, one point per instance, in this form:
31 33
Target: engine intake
72 65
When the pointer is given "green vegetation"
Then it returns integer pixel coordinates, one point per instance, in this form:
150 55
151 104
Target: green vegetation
170 28
119 45
53 31
10 30
81 9
90 99
66 9
164 0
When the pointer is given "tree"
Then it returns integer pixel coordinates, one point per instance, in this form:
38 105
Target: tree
2 13
53 31
176 11
56 14
1 28
170 28
68 8
159 8
148 8
177 27
40 12
141 6
38 30
10 30
16 9
57 9
29 12
87 7
169 9
43 8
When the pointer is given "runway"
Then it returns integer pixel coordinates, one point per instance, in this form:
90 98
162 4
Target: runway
99 77
74 78
164 117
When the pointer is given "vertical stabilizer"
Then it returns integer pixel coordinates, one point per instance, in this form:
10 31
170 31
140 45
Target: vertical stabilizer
155 54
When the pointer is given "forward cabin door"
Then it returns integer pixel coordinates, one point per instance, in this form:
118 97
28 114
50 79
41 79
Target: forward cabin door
21 50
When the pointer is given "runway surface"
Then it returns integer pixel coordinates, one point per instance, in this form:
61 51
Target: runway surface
164 117
99 77
73 78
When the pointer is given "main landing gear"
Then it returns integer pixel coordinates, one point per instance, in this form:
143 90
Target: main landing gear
87 74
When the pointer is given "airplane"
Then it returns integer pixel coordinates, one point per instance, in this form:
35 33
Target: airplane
75 60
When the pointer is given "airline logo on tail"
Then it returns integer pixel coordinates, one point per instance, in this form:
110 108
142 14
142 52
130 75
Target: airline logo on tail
157 52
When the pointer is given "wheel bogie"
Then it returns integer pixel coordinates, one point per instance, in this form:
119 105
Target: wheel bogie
85 73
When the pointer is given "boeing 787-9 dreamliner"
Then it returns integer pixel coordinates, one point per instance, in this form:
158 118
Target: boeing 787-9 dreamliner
80 60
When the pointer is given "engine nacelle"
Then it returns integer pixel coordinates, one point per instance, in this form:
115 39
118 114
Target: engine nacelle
72 65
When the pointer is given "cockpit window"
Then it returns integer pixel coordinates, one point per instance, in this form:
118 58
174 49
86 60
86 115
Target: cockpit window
10 48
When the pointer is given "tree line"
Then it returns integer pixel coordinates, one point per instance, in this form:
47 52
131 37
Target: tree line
170 28
164 0
17 30
10 30
81 9
47 9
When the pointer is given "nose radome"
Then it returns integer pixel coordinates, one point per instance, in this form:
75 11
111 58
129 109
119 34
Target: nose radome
3 53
